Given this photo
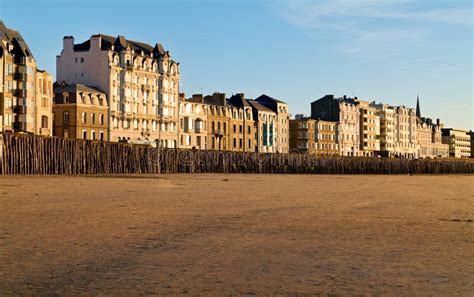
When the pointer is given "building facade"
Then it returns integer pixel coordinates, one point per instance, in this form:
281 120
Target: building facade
369 129
242 126
25 92
44 104
346 113
386 137
429 139
193 124
471 135
459 142
266 139
141 83
282 127
314 137
80 112
405 132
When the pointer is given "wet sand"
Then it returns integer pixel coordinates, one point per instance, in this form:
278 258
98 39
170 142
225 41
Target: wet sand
237 234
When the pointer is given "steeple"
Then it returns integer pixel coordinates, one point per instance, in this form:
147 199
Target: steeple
418 112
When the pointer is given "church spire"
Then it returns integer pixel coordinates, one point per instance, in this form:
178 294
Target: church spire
418 112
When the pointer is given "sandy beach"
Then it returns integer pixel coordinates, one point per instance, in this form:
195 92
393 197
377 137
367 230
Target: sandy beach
237 234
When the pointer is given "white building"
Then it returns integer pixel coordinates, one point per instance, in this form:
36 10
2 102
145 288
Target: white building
141 83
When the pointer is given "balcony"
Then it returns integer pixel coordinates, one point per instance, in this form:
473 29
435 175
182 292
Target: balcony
20 60
20 126
218 133
20 109
21 93
20 76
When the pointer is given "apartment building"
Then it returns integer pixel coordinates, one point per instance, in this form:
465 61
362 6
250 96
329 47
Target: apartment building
369 129
25 92
80 112
283 121
241 126
346 113
471 135
429 139
266 121
386 114
218 120
44 104
193 123
141 83
314 136
459 142
405 139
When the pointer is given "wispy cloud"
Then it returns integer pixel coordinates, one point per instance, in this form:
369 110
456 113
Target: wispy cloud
377 29
318 13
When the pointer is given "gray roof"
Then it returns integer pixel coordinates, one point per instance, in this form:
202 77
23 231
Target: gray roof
73 88
238 100
14 37
120 43
266 98
258 106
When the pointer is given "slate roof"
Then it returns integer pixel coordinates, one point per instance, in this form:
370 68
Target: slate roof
120 43
16 39
238 100
258 106
75 88
266 98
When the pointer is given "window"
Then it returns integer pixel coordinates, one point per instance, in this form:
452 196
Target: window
66 117
44 122
101 119
101 135
235 129
82 60
84 134
66 133
84 117
235 142
93 135
92 118
240 129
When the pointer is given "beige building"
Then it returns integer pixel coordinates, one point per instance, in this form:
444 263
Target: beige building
386 114
141 83
241 124
405 139
282 127
266 139
471 134
193 123
44 103
218 120
369 129
346 113
459 142
80 112
314 136
25 92
429 139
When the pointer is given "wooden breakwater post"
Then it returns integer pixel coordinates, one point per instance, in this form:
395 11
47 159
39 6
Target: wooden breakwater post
29 154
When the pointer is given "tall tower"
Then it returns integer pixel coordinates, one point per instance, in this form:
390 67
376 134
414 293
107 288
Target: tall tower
418 112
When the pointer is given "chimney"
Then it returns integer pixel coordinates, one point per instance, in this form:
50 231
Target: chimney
198 98
437 122
68 43
96 42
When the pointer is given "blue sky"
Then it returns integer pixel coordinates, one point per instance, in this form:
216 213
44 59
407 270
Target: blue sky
298 51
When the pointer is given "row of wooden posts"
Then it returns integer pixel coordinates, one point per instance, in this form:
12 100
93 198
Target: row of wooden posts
28 154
